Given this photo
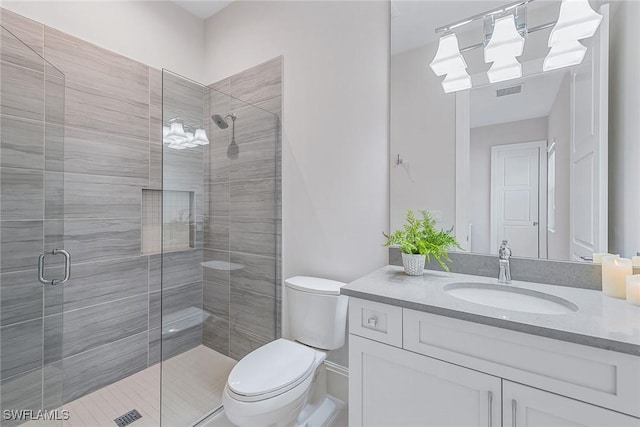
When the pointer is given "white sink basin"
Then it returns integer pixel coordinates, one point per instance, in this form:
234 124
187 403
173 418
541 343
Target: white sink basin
510 298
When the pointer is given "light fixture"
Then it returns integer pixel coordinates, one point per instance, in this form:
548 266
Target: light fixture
505 45
564 55
177 146
504 40
188 141
176 131
200 137
457 80
576 21
175 135
449 61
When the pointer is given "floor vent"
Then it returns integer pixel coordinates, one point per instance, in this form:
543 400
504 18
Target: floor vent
128 418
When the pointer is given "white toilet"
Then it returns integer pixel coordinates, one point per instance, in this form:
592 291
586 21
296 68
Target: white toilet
277 384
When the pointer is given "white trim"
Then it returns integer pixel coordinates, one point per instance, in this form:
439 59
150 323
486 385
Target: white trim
603 149
462 172
338 369
337 381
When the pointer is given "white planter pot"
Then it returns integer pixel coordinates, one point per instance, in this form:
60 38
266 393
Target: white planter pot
413 264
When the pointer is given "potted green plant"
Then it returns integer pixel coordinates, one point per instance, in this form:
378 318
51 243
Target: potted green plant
420 240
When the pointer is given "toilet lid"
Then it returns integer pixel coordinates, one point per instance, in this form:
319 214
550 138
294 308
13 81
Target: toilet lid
274 366
315 285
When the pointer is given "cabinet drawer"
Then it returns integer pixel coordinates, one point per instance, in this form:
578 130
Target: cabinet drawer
605 378
376 321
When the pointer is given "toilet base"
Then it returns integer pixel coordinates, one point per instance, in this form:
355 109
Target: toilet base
322 415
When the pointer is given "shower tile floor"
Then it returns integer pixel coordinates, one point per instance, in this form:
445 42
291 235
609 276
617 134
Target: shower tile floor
192 384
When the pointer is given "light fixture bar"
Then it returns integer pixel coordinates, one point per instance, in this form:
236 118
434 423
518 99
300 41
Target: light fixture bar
182 122
483 15
530 30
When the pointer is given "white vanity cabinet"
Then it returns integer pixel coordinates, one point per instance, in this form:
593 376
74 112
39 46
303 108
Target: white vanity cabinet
401 388
524 406
411 368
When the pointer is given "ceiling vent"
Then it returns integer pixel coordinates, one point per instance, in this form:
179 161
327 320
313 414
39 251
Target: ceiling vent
509 90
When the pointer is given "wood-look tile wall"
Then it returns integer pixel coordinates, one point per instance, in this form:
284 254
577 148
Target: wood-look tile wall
242 227
109 312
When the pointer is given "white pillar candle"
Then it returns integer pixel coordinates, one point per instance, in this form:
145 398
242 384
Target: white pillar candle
636 261
614 275
633 289
597 257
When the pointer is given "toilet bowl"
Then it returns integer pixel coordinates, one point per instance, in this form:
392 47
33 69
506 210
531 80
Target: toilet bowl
272 385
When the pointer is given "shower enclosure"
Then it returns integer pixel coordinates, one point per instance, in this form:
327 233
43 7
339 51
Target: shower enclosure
221 218
32 100
171 221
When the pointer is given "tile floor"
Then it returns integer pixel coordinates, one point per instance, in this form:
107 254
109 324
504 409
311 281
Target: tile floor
192 384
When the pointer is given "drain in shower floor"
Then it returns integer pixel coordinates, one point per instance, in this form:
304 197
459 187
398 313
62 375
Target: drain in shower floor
128 418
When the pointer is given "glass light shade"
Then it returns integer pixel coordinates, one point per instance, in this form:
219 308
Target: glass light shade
176 130
176 146
564 55
504 70
505 43
200 137
448 57
576 21
188 141
457 80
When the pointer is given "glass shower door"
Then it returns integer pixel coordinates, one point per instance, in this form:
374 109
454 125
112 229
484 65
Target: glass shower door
220 236
33 263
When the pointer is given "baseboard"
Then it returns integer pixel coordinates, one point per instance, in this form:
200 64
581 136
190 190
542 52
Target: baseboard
337 381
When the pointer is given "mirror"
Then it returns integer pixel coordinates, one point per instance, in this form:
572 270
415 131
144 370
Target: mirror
546 159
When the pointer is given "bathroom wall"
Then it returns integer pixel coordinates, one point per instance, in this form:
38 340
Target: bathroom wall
559 130
243 225
111 313
624 126
158 33
423 133
335 132
482 139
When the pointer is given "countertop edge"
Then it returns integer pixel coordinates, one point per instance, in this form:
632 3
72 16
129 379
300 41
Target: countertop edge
590 341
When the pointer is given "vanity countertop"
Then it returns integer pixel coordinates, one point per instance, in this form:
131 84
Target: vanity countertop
600 321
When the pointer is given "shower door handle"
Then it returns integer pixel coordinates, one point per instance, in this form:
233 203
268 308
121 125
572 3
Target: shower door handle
67 267
41 278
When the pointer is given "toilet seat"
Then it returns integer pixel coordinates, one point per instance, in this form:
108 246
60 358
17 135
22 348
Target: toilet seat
271 370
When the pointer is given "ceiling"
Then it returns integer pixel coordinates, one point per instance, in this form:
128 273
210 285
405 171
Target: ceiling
203 9
536 99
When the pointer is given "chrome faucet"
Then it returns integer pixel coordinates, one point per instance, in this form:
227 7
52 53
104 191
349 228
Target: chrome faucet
504 253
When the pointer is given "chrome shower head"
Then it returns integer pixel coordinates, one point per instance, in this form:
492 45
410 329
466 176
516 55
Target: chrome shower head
222 122
218 120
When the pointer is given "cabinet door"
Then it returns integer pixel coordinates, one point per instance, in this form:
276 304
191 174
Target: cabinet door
524 406
389 386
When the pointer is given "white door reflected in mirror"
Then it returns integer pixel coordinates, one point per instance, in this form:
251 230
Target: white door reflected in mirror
515 196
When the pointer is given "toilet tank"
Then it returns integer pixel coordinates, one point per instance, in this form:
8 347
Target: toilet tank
317 311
